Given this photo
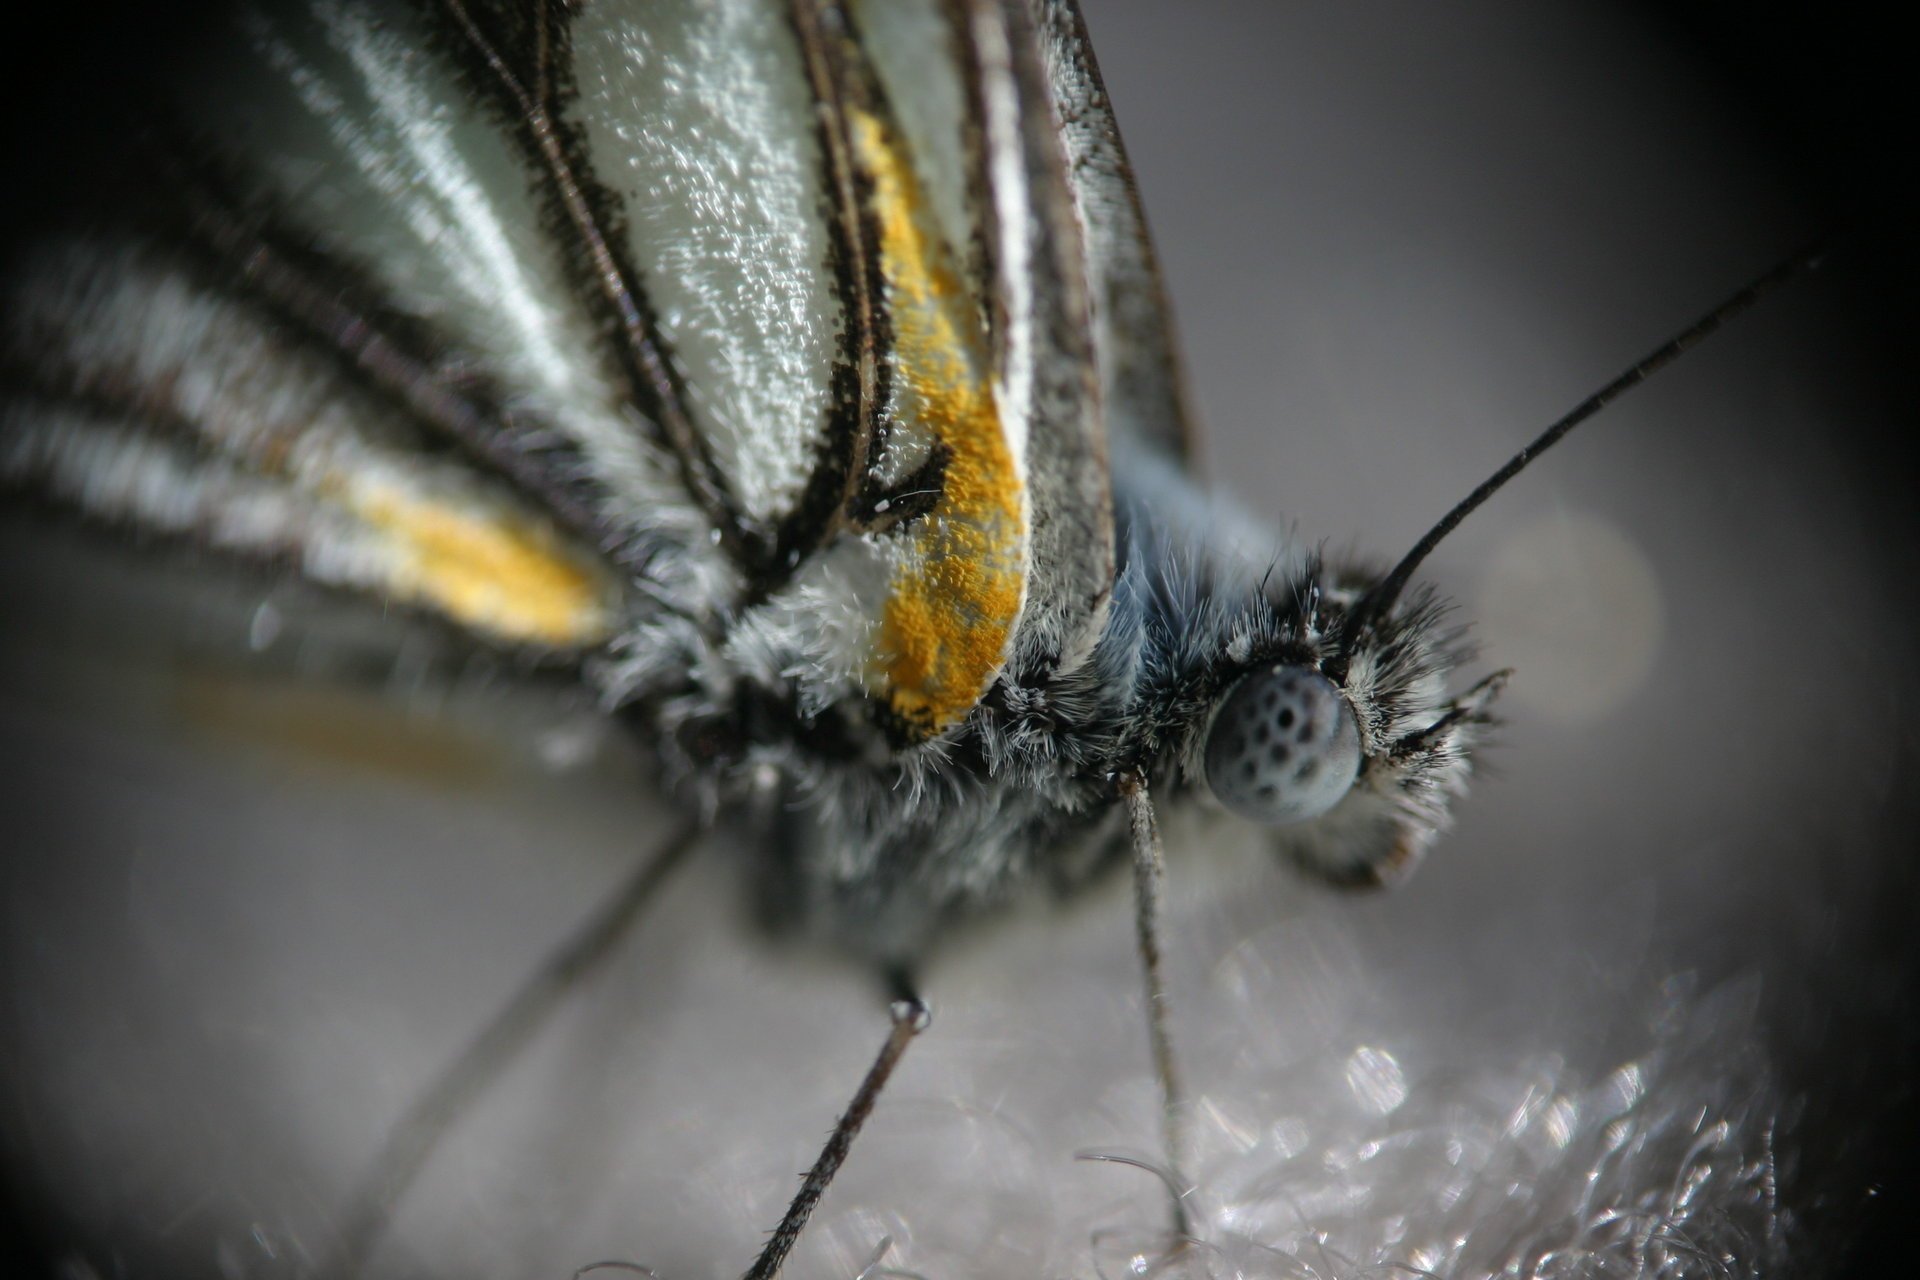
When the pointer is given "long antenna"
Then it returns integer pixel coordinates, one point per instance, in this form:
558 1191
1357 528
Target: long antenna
1376 602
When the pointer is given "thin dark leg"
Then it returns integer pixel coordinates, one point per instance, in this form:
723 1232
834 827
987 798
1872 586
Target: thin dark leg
1149 877
413 1139
910 1018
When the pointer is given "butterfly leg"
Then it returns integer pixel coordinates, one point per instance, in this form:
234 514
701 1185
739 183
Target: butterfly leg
420 1130
910 1018
1149 878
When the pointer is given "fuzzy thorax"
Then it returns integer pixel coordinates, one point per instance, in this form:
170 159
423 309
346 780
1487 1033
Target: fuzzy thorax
875 848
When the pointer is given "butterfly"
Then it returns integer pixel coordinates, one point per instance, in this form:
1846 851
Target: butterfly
899 718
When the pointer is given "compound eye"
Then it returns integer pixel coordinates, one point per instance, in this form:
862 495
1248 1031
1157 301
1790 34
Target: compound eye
1283 747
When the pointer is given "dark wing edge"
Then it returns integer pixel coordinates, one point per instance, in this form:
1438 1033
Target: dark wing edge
1142 382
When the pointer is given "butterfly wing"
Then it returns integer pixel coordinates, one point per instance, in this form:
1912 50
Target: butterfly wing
747 332
1137 358
278 352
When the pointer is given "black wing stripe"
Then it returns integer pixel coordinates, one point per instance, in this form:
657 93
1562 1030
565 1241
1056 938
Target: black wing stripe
645 357
843 80
163 480
855 425
147 397
314 299
34 396
983 245
170 488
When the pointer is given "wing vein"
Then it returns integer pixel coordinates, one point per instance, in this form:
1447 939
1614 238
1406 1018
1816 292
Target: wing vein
645 358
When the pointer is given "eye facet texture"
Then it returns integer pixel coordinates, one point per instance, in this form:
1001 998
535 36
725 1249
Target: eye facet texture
1283 748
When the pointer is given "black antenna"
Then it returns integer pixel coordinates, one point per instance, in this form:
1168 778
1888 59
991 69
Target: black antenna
1376 602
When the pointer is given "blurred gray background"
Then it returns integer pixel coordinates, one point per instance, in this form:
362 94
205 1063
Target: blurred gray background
1648 1006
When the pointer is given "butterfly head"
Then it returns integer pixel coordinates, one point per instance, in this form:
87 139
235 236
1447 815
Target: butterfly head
1345 741
1284 746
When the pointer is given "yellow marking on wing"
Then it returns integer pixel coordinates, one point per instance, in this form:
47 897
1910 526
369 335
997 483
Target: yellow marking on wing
954 599
488 569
